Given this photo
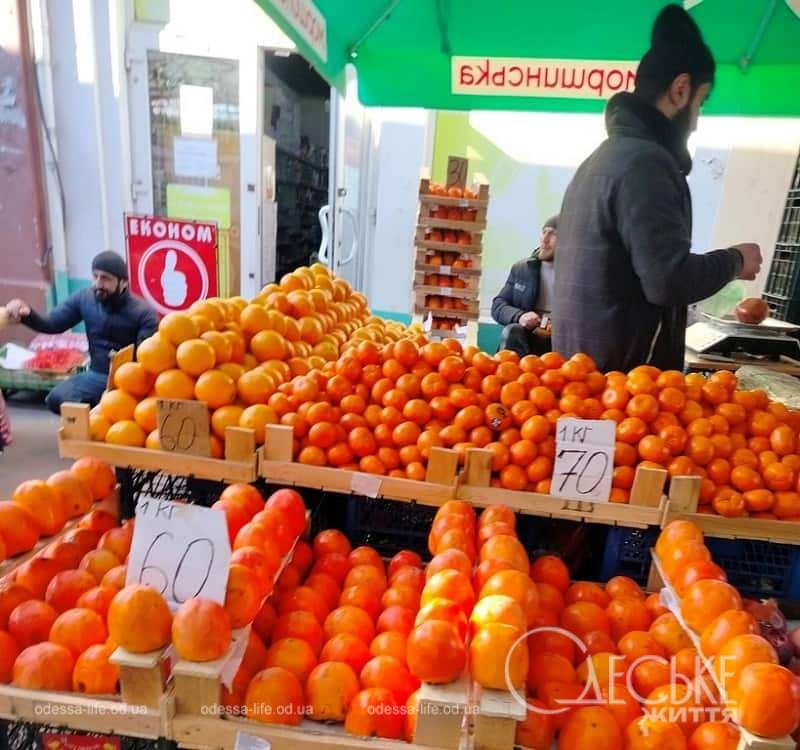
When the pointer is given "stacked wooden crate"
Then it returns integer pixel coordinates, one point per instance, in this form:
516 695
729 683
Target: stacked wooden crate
447 268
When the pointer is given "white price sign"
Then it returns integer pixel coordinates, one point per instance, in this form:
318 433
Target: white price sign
181 550
584 460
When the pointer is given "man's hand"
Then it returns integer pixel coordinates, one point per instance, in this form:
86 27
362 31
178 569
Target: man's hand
530 320
751 255
17 309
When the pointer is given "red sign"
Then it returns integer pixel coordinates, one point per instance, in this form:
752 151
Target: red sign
60 741
171 263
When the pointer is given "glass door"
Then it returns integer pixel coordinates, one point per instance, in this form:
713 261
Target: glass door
194 148
350 152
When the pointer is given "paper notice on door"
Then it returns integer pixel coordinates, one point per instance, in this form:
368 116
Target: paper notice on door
197 110
195 157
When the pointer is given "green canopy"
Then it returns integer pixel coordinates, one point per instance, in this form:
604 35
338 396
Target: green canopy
532 54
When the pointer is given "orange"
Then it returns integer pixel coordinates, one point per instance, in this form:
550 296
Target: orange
215 388
225 416
195 356
126 432
174 384
177 327
117 405
256 418
156 354
133 378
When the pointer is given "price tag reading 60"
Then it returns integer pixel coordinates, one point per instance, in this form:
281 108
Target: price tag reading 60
181 550
584 461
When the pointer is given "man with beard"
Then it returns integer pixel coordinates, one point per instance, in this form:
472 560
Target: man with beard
524 303
114 319
624 270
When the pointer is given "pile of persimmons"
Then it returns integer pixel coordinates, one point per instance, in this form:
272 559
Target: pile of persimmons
233 355
381 409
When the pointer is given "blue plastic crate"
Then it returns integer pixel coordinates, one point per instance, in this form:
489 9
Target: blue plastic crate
757 569
627 553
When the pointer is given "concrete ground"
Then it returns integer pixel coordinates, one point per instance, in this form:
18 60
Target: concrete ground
33 454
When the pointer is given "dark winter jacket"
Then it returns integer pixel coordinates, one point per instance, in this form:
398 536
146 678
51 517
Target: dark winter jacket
520 291
624 271
127 320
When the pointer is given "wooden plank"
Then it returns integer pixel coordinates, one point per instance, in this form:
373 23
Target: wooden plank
441 711
760 529
648 487
478 467
449 247
473 227
278 443
142 677
152 460
439 313
192 731
447 270
446 200
101 714
498 712
747 740
684 494
75 421
536 504
447 291
442 466
240 444
123 356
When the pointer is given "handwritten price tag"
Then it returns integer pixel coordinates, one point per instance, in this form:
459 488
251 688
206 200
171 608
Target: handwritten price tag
457 168
180 550
584 459
183 426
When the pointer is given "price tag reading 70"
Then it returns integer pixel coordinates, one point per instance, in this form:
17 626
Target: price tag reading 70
180 550
584 461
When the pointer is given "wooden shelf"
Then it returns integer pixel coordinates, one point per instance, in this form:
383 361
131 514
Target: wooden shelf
767 530
447 291
439 313
95 713
449 247
446 200
473 227
447 270
239 464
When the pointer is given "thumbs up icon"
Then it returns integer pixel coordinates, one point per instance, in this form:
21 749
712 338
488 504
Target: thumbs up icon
173 283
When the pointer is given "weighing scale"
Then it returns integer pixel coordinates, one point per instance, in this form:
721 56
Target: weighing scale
727 339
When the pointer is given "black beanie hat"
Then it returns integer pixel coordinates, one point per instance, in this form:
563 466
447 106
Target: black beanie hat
109 262
552 222
676 46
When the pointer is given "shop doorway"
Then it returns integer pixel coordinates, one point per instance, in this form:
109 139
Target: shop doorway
297 124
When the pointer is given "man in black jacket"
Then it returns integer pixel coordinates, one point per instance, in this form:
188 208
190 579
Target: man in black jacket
624 272
524 303
114 319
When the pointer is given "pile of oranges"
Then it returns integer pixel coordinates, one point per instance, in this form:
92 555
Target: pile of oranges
64 611
631 677
41 508
763 696
381 410
233 355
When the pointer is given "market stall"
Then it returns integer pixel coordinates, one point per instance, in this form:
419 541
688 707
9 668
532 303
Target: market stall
286 613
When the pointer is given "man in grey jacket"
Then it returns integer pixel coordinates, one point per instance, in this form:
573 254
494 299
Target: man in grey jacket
624 270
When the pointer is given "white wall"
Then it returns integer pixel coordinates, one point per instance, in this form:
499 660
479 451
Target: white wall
400 156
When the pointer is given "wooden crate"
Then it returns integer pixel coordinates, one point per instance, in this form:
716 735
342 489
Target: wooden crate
496 715
647 506
109 504
443 713
276 464
96 713
670 599
239 464
193 731
143 677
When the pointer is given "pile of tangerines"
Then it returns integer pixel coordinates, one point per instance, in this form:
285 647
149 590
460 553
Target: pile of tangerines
381 409
233 355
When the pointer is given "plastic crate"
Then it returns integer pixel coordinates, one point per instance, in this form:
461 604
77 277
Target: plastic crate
627 553
24 735
757 569
388 525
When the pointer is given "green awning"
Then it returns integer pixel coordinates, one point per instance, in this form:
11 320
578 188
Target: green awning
532 54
